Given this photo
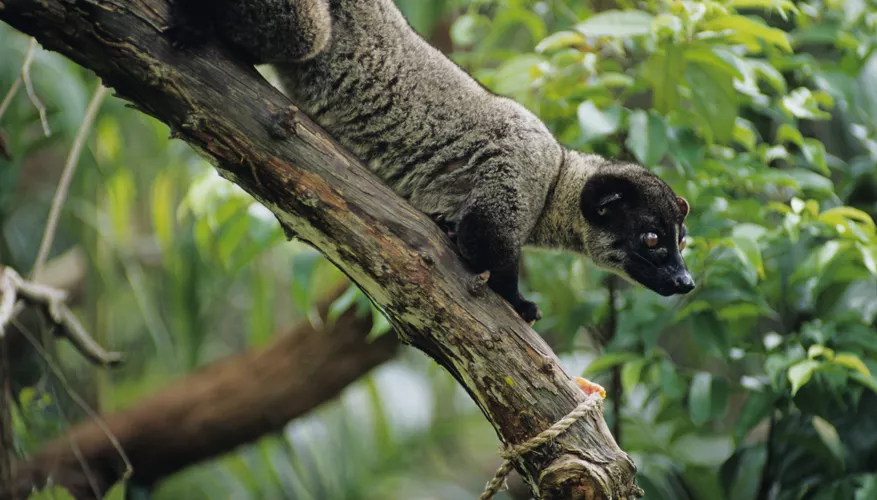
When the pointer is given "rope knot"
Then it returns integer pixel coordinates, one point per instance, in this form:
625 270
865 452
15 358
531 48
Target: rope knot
510 454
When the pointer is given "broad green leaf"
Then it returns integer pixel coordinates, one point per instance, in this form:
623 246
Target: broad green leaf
51 493
828 435
817 350
513 77
672 385
745 133
748 32
705 55
700 399
838 216
703 451
788 133
758 406
468 28
647 137
814 153
607 361
750 254
869 258
714 99
560 40
802 103
596 123
780 5
801 372
617 23
664 70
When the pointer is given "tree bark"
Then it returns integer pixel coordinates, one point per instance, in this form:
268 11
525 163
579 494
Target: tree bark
229 403
324 196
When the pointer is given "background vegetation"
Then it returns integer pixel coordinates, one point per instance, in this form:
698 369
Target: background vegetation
757 385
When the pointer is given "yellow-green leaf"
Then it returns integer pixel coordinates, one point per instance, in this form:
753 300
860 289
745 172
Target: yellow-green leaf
747 32
800 373
852 362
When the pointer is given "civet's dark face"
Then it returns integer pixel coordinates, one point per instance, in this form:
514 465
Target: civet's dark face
636 228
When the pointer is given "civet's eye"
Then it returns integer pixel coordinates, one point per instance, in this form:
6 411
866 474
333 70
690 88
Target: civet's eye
651 240
682 244
602 211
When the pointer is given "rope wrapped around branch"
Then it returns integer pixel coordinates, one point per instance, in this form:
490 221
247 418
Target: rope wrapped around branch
592 403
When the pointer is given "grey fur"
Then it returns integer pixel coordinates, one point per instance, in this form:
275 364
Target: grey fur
432 133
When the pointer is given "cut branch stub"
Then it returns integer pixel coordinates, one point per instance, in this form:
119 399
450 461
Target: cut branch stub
322 194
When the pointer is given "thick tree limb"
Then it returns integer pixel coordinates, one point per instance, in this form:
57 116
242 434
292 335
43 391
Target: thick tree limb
228 404
326 197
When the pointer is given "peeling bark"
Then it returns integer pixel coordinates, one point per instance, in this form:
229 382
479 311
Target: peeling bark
323 195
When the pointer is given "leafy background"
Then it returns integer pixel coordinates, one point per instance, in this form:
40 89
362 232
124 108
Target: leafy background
757 385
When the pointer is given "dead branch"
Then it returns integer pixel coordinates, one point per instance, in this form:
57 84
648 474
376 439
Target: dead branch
52 302
230 403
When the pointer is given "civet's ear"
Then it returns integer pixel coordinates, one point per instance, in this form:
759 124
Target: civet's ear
683 206
603 196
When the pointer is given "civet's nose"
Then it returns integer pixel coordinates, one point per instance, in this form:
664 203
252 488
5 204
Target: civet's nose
683 282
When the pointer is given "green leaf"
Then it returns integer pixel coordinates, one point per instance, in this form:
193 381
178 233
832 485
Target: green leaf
703 451
468 29
616 23
560 40
828 435
700 398
839 215
664 71
705 55
779 5
343 303
303 266
380 324
852 362
747 32
801 372
750 254
607 361
745 133
672 385
757 407
163 209
596 123
802 103
51 493
647 137
714 99
814 153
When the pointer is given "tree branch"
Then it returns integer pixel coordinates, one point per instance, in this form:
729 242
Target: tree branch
323 195
228 404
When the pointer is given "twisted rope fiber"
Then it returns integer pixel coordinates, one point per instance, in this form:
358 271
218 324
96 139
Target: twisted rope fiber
510 454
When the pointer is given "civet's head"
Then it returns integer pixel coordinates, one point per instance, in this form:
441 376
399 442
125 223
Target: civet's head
635 227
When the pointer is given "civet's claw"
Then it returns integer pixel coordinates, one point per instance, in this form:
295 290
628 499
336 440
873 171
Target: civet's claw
590 387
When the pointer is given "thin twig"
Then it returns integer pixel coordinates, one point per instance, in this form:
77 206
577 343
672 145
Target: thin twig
28 85
31 50
129 469
9 95
66 178
7 462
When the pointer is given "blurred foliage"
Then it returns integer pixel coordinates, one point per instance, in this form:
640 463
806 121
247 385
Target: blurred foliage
759 384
